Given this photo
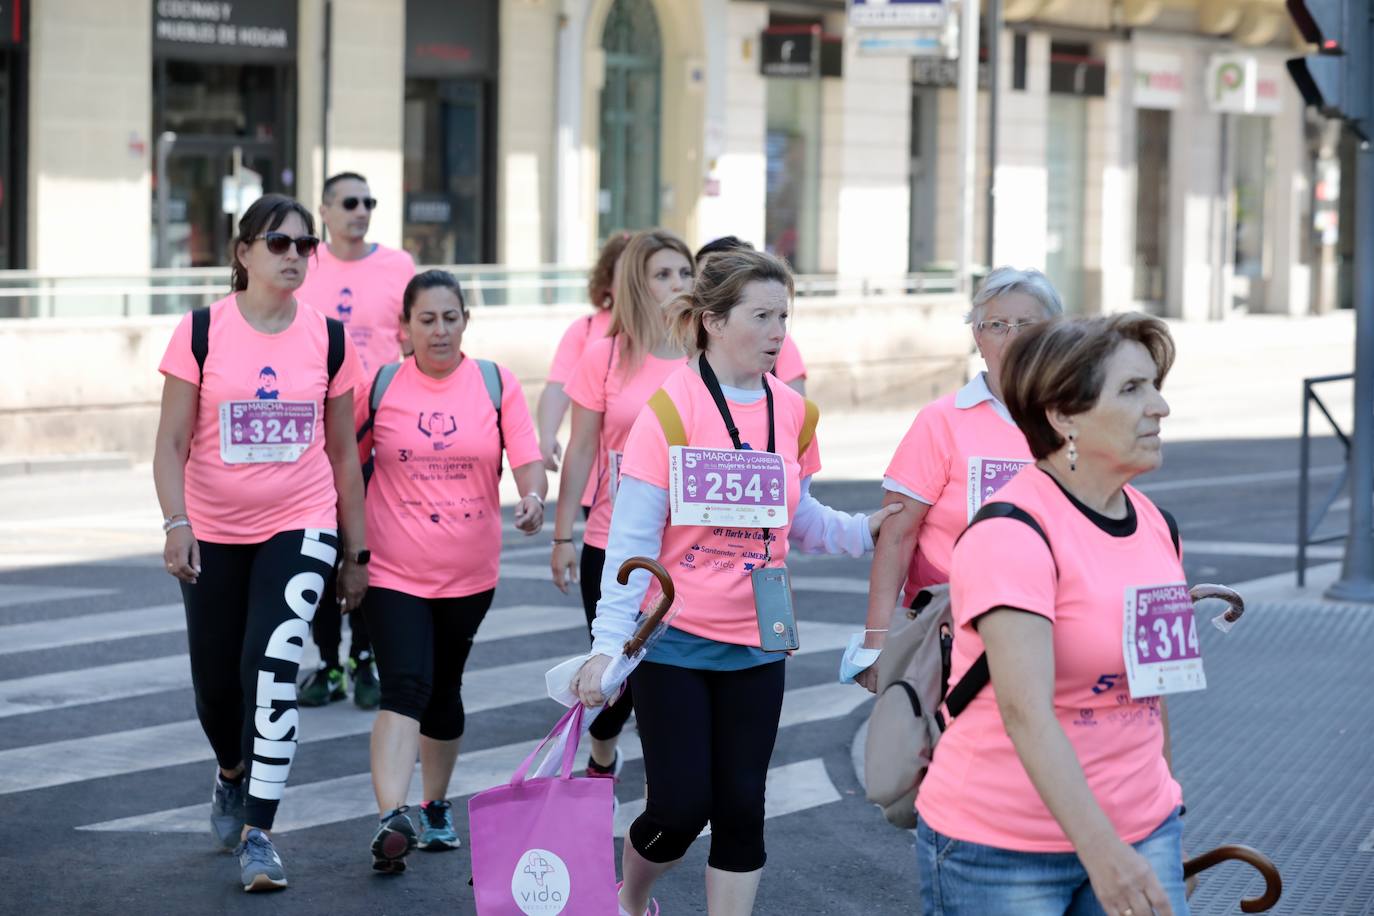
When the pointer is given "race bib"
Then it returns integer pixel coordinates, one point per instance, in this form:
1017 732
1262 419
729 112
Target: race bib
258 432
1160 642
613 461
721 486
988 475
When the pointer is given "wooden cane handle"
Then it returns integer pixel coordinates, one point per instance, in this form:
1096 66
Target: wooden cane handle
665 601
1273 881
1229 595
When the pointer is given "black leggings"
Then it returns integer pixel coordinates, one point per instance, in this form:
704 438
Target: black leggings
612 720
422 645
247 619
708 737
328 630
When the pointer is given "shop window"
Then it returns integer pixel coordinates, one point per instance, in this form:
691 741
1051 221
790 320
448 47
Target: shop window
1019 42
1075 70
631 112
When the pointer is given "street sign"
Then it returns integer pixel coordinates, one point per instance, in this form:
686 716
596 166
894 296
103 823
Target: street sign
897 14
1336 79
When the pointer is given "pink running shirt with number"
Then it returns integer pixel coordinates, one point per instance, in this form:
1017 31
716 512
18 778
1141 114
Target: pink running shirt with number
579 335
789 366
599 385
711 566
433 504
366 296
933 462
249 503
976 789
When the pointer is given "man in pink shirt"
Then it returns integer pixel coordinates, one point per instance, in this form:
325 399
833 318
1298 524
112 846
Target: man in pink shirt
359 283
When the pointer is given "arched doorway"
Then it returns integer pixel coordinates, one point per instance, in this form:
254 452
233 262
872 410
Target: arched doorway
631 111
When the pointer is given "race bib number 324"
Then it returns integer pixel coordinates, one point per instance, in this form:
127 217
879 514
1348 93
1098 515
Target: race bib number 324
719 486
257 432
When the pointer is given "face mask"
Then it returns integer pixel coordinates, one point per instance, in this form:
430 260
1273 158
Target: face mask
856 658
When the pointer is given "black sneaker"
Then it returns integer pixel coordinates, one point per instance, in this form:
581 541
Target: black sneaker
367 690
324 686
393 841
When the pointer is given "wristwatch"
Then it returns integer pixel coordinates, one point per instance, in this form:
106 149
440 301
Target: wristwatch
361 558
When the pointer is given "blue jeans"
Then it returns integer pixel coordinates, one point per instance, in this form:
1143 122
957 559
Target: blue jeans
967 879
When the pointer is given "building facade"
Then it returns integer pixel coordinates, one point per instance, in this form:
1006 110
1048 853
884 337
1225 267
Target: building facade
1151 153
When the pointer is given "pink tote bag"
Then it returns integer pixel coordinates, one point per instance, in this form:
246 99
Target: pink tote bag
544 846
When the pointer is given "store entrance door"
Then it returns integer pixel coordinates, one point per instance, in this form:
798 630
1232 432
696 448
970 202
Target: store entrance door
210 182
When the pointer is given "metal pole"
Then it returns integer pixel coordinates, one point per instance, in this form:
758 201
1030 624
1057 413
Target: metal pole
163 147
326 100
994 95
968 137
1304 468
1357 571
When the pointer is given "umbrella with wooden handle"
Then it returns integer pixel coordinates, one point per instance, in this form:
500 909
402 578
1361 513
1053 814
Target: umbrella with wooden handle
661 606
1273 882
1229 595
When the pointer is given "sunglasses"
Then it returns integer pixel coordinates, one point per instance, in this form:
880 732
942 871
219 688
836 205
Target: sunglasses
351 203
279 242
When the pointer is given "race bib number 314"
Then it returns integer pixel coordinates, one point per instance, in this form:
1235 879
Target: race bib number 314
257 432
719 486
1160 643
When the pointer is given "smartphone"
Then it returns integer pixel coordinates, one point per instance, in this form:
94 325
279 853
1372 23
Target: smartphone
773 604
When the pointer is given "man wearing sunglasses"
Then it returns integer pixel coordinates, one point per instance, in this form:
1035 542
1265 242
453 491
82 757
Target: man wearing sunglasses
360 283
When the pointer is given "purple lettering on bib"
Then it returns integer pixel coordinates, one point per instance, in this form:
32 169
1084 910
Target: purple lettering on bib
1165 627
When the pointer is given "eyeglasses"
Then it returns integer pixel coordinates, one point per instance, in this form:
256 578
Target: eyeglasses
351 203
278 242
1002 328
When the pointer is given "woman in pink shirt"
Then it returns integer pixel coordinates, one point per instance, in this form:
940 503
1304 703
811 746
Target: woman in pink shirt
553 401
257 473
612 383
708 694
959 450
434 510
1052 793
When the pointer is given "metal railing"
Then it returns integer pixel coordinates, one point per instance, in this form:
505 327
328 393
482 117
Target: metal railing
1307 532
31 294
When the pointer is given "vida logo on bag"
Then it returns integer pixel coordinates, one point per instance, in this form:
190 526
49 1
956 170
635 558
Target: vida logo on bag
540 884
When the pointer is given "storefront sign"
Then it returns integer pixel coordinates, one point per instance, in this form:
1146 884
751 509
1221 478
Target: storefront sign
790 52
235 31
446 38
937 73
898 14
429 209
1158 80
904 43
1242 84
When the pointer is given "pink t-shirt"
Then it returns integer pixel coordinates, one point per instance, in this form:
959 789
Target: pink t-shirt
575 340
366 296
248 503
433 506
711 566
789 366
598 384
976 789
952 458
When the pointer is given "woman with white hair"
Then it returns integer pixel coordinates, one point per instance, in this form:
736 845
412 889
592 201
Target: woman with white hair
959 451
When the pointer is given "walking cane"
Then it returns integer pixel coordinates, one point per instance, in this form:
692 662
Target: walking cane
1273 882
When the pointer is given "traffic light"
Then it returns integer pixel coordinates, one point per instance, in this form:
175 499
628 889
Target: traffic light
1337 79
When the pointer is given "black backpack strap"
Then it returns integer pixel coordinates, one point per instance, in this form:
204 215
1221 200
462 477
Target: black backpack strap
336 346
200 337
978 675
491 379
1173 530
380 382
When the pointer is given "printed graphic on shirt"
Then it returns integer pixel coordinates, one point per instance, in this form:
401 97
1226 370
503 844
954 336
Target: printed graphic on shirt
343 309
1160 641
438 427
988 475
267 384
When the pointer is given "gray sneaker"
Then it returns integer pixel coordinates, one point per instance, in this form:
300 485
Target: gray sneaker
259 863
393 841
226 811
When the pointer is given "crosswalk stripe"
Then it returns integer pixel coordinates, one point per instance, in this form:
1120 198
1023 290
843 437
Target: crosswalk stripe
347 797
56 763
834 584
32 594
88 628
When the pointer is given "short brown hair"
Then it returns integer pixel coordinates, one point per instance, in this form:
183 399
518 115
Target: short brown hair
600 288
1060 365
720 283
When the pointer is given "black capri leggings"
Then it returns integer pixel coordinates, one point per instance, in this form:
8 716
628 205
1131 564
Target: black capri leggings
247 619
422 645
327 630
707 738
612 720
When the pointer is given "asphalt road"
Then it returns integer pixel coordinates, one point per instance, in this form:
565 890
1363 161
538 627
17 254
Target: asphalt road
104 774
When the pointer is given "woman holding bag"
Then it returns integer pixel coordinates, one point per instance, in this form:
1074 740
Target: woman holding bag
708 695
610 386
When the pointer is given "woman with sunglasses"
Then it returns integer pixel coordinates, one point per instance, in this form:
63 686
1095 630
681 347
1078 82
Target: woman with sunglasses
261 492
959 451
359 283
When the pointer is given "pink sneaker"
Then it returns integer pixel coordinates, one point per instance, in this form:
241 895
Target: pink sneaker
651 911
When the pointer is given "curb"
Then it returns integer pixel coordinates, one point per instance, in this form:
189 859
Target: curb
98 461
